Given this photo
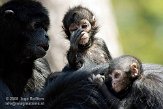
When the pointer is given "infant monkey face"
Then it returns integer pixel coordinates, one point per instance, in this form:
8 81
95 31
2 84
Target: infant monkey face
83 25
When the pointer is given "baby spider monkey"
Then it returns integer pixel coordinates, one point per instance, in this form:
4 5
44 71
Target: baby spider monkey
137 86
80 26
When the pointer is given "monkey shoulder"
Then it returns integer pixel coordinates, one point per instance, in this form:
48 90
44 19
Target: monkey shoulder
98 52
41 70
101 45
99 41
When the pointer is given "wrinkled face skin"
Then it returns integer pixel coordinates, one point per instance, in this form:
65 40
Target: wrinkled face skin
122 77
120 80
121 74
85 25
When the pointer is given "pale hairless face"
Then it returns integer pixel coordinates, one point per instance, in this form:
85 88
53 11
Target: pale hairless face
122 78
85 25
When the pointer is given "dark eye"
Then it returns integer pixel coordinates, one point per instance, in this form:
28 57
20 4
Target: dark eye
116 75
37 25
84 26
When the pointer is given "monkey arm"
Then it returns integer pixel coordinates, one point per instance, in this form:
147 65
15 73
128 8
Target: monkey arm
99 80
106 49
72 55
101 43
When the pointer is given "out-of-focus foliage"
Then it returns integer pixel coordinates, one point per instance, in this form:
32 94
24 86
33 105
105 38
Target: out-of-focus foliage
140 24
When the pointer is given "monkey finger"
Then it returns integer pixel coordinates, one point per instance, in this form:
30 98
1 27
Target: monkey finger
91 78
78 32
100 77
78 38
75 35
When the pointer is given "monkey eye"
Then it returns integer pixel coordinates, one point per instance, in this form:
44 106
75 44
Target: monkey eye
36 25
116 75
84 26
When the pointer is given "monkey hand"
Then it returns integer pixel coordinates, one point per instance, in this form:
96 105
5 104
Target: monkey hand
75 38
97 79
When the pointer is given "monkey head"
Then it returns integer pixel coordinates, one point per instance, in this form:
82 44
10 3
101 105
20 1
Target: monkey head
83 19
23 28
122 72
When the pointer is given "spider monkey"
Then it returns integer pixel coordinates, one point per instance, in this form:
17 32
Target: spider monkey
136 85
80 26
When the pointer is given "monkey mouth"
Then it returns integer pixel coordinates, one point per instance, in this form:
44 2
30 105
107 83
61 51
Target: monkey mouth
43 47
34 52
40 50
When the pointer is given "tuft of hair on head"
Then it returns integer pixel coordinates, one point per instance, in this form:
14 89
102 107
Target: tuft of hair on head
76 14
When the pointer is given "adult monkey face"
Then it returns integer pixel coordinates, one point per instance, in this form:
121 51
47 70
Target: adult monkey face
23 29
28 25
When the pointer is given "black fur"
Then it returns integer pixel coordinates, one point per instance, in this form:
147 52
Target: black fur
123 65
23 39
146 93
73 90
76 14
95 50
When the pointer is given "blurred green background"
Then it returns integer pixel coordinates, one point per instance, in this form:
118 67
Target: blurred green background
140 25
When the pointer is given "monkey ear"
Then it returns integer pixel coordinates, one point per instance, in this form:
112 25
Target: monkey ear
9 13
134 70
93 18
93 22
